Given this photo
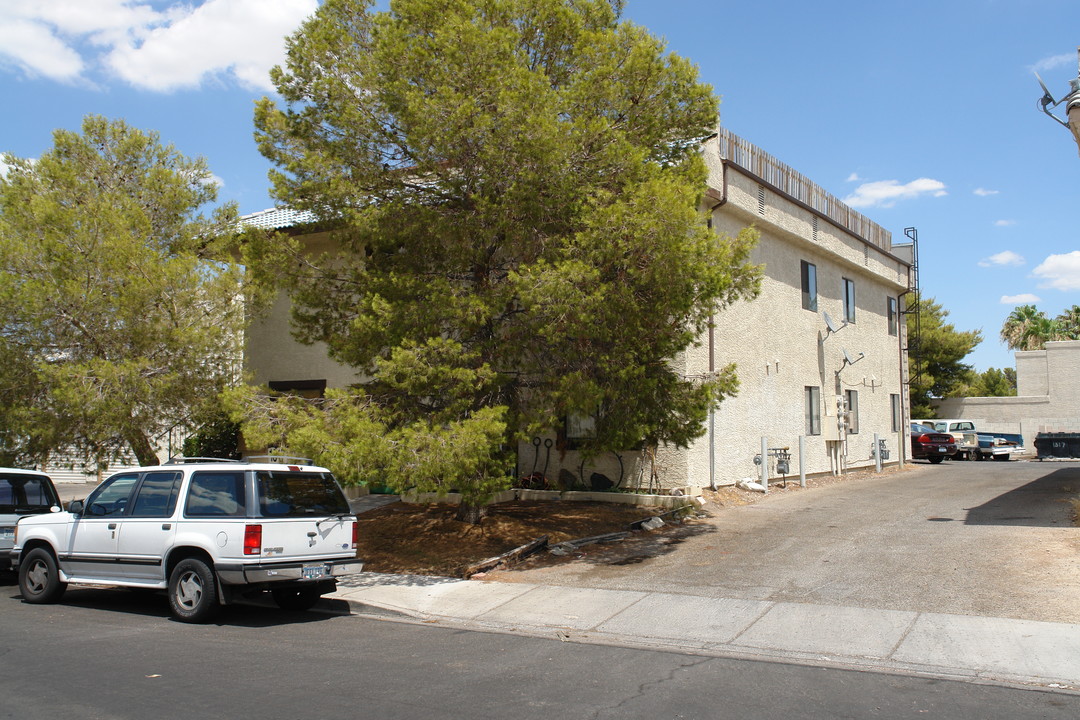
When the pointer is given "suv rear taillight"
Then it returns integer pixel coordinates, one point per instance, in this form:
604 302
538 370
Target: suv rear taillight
252 539
355 534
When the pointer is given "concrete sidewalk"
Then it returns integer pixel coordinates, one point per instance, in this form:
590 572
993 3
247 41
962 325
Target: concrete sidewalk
953 646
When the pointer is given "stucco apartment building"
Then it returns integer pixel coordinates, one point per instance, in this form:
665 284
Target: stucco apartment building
820 258
1047 396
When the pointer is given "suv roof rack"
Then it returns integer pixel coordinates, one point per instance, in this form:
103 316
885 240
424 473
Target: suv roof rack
180 460
283 459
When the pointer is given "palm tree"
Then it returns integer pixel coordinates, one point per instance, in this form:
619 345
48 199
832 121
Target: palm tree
1028 328
1068 323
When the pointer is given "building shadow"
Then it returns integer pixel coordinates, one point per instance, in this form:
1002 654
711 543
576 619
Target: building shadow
1044 502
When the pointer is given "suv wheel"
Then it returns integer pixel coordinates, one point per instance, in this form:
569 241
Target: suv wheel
192 591
296 598
39 577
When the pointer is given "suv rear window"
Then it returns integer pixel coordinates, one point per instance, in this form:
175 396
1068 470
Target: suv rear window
26 493
216 494
292 494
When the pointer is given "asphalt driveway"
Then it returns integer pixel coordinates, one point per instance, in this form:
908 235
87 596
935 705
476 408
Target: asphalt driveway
969 538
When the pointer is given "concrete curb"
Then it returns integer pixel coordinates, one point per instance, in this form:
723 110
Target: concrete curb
978 649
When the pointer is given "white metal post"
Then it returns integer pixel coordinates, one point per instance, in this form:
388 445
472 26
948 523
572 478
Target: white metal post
765 463
877 454
802 466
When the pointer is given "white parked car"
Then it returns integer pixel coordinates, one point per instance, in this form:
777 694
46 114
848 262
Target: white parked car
22 493
207 531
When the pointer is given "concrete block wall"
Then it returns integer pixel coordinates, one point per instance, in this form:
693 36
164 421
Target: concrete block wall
1047 400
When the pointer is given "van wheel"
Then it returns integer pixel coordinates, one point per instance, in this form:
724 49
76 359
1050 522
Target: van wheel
301 598
935 459
192 591
39 577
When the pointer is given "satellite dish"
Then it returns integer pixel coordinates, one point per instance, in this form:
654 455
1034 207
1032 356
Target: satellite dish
829 322
847 357
1047 101
1048 98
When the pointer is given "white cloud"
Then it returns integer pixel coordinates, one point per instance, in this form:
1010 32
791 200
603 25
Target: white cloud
983 192
151 44
37 51
1022 299
854 177
1006 257
885 193
1054 61
1004 223
1060 272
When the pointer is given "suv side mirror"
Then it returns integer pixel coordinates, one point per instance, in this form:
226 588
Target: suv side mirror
75 507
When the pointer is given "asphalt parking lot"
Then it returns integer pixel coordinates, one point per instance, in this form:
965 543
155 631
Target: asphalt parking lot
968 538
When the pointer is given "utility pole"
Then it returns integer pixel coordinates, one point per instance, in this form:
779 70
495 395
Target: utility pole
1071 102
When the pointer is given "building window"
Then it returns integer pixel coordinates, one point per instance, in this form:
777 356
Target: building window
813 410
580 427
849 300
851 402
311 389
761 200
809 286
896 421
892 316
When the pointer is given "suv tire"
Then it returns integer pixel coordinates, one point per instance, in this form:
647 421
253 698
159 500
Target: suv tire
192 591
296 598
39 577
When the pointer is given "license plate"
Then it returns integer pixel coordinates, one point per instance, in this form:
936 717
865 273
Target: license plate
943 450
315 571
7 533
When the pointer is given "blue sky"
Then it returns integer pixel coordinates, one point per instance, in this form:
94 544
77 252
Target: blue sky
920 114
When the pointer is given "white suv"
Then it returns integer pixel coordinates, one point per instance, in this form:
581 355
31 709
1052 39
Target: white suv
206 530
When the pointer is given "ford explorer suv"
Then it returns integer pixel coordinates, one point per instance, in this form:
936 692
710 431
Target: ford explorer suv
207 531
22 493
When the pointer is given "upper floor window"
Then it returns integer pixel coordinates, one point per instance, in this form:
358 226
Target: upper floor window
892 312
849 300
809 286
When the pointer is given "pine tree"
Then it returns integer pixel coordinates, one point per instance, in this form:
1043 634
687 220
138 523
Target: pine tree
121 304
514 186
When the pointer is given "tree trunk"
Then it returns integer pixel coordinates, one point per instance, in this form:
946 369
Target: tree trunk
140 445
471 514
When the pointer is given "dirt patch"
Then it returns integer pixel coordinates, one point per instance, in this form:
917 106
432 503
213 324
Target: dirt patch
427 540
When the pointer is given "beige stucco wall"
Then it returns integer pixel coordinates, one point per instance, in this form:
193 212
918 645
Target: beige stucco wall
271 354
779 348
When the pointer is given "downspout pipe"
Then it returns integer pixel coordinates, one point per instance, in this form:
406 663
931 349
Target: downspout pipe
900 335
714 200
